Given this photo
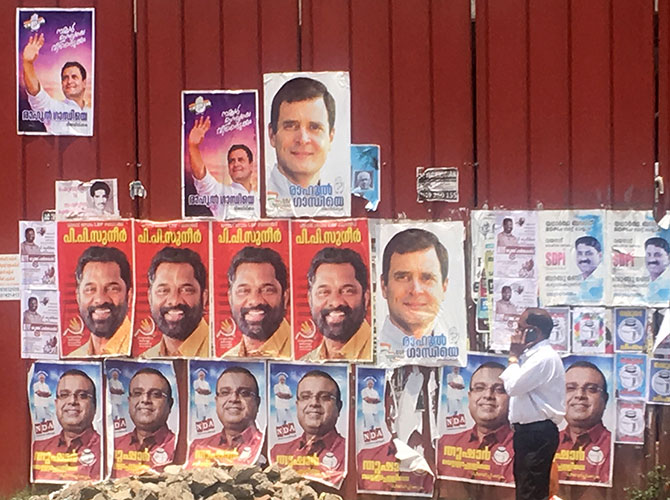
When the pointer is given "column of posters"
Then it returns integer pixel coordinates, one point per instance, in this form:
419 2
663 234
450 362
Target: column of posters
386 463
55 71
640 254
514 271
252 289
95 283
220 154
309 420
143 423
331 290
227 412
586 447
65 402
475 443
420 306
39 296
307 144
572 270
172 311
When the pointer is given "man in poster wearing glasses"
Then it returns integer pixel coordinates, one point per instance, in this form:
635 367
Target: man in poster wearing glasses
151 444
240 441
77 441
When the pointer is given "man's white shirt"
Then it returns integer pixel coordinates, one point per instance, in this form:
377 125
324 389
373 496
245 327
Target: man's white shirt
209 186
42 101
203 385
536 386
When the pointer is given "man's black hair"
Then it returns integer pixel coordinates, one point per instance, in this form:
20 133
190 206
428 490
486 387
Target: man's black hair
414 240
97 186
244 148
333 255
179 256
302 89
658 242
259 255
588 241
73 64
104 254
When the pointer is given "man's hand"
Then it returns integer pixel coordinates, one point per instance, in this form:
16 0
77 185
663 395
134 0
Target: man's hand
518 343
32 48
199 130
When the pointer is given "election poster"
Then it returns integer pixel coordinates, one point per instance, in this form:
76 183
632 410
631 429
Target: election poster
220 154
252 281
308 424
630 421
659 382
630 329
482 247
562 331
65 400
639 251
366 174
631 375
384 463
331 290
93 200
511 297
585 444
227 412
96 289
10 276
307 144
143 421
588 330
475 435
420 306
37 253
573 266
172 278
55 58
515 244
39 324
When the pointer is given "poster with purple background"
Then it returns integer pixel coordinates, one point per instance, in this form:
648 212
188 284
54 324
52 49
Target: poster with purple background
220 154
55 71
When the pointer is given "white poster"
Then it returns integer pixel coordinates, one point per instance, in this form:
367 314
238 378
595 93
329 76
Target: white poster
307 144
94 199
573 266
482 245
640 255
420 307
39 323
37 251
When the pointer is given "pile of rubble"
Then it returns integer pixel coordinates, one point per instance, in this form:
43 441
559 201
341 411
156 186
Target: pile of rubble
240 482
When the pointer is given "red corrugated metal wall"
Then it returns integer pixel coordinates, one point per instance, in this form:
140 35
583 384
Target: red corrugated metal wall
555 100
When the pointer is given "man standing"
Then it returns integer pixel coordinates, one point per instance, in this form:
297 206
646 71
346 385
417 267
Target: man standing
283 398
237 403
75 453
371 402
41 395
73 84
202 392
29 247
240 168
151 444
586 393
535 382
319 402
258 295
339 298
505 237
415 270
177 297
104 290
488 404
116 392
455 391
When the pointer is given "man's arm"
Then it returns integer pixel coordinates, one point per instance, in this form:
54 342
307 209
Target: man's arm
195 137
30 53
